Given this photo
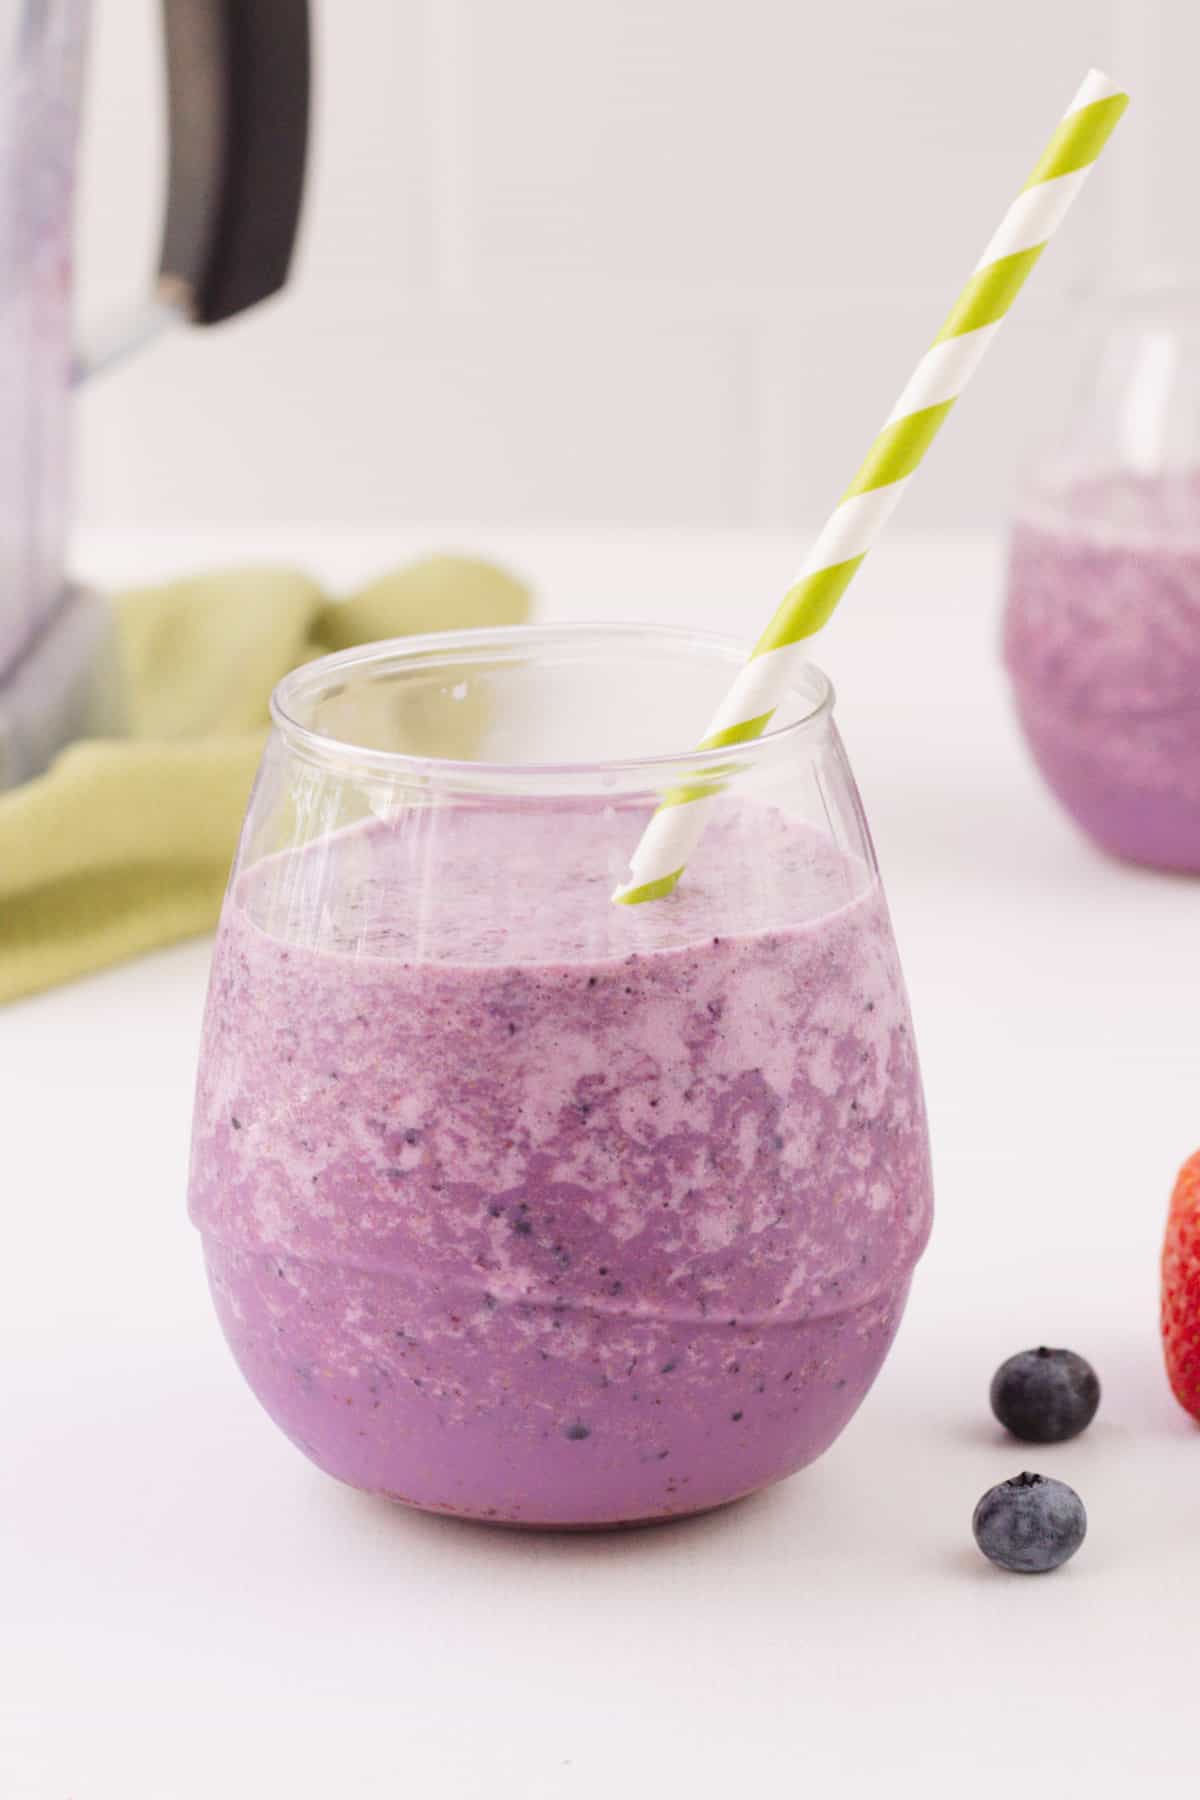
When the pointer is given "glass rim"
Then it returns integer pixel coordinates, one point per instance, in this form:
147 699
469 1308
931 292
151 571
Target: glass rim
426 649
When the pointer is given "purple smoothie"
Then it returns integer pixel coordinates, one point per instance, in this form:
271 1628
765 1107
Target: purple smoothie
524 1206
1102 641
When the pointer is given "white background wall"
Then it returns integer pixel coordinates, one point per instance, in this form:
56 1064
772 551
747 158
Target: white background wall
639 261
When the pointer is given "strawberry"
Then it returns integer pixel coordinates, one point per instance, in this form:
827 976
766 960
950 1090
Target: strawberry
1181 1288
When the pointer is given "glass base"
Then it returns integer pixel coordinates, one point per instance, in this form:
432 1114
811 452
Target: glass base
1155 824
575 1528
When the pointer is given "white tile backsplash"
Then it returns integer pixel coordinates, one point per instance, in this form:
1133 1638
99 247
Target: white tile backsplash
1153 185
830 385
367 417
646 261
369 222
741 148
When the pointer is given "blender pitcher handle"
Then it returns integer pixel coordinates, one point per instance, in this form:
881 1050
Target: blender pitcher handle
237 85
238 79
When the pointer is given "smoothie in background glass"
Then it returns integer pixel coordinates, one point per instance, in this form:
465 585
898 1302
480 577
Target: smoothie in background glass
518 1204
1102 642
1102 630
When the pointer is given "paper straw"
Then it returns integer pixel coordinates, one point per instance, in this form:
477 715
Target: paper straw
893 458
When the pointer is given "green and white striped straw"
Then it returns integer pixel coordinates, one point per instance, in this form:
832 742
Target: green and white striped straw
893 458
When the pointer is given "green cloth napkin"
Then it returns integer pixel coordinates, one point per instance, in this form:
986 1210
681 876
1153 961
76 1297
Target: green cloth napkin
126 843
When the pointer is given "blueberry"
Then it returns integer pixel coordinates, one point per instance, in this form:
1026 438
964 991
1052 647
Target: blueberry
1030 1524
1045 1396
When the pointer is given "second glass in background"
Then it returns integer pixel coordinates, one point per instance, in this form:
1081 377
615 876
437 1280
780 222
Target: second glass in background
1102 630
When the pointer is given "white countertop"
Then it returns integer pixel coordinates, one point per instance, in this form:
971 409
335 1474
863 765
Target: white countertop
189 1610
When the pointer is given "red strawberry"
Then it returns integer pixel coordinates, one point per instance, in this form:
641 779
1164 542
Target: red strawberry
1181 1288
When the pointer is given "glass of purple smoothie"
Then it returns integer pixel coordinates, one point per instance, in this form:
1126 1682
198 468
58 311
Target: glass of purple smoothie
518 1204
1102 628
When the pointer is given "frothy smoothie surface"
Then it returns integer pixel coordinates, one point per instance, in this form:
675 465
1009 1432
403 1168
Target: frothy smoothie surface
526 1206
1102 640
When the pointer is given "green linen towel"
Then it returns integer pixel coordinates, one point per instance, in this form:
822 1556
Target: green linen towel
125 843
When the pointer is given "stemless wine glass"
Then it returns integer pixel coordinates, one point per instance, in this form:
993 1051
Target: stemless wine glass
1102 632
516 1203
